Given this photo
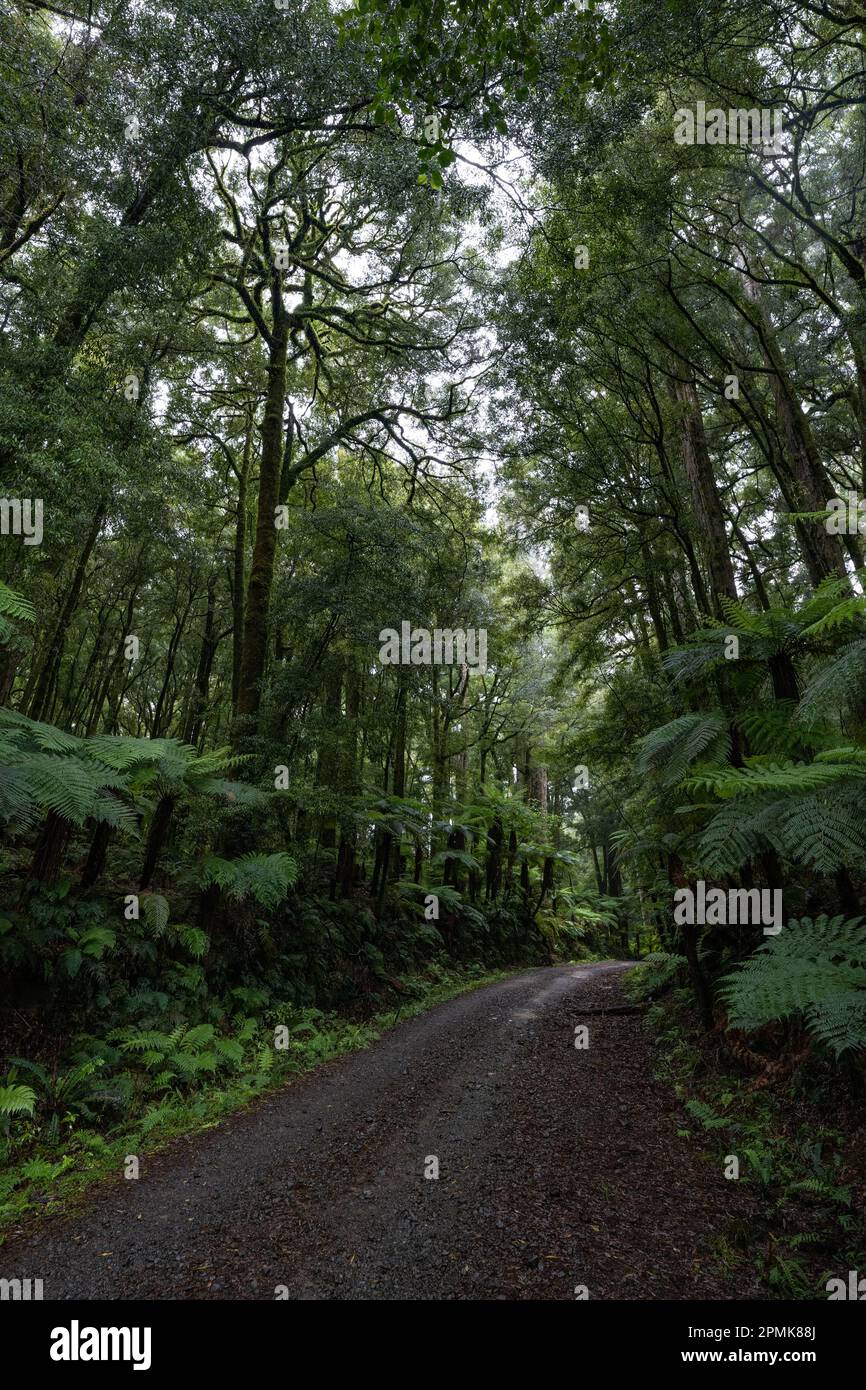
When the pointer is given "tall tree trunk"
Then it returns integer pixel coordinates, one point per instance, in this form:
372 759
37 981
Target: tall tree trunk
198 701
493 861
256 612
706 503
810 486
398 785
329 749
51 662
161 716
349 781
239 565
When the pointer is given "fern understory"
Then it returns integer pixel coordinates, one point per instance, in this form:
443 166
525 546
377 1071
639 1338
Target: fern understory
765 788
130 1016
138 1015
801 1143
185 1082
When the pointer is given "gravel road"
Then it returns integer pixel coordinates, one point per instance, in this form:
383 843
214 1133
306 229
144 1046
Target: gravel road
558 1168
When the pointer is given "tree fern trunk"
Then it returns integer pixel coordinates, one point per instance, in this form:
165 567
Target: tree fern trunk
156 837
49 848
94 866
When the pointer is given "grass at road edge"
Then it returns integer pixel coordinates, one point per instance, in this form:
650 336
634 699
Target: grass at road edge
57 1178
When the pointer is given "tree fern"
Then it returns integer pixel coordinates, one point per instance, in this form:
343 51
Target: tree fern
814 970
15 607
33 733
849 610
836 684
825 597
704 651
457 856
671 749
825 831
737 834
773 624
45 769
266 878
72 787
775 729
766 776
123 752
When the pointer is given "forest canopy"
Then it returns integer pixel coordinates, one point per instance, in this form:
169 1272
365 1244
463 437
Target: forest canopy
536 325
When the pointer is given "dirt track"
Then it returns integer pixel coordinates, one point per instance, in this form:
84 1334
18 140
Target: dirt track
558 1167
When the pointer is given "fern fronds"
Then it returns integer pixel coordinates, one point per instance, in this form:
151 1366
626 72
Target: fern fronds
770 777
155 910
671 749
838 683
775 730
17 1100
13 605
194 940
825 830
122 752
266 878
847 611
38 735
813 969
129 1040
826 596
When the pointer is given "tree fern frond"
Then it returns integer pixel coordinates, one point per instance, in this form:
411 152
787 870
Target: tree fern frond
835 685
241 792
217 761
855 756
737 834
17 806
772 777
69 786
672 748
704 651
775 730
847 611
122 752
825 831
775 625
812 969
826 596
114 812
266 878
14 605
45 736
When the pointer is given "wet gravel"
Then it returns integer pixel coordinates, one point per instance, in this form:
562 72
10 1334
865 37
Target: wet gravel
558 1168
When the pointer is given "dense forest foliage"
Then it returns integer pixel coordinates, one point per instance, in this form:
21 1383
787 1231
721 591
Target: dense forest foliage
318 323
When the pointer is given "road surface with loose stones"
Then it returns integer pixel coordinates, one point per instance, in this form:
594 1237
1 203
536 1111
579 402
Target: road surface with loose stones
560 1169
